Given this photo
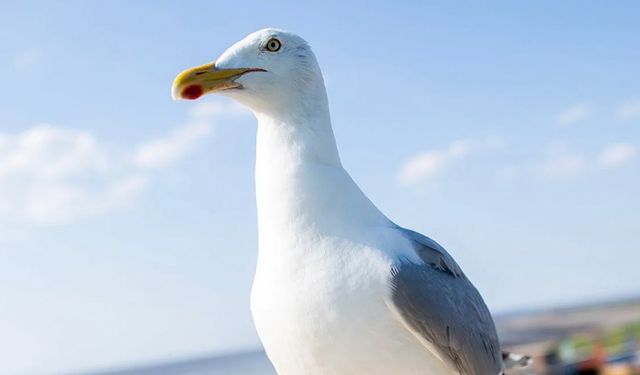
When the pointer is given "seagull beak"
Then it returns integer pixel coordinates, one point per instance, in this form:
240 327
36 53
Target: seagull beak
195 82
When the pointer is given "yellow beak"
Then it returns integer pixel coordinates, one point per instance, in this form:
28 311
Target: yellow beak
195 82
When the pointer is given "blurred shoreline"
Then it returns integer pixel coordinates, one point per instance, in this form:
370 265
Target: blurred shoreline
545 334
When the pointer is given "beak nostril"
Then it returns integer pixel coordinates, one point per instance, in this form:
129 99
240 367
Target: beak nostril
200 73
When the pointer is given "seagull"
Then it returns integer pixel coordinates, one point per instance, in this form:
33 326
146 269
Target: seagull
339 288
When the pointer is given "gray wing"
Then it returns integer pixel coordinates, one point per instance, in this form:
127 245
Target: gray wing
441 305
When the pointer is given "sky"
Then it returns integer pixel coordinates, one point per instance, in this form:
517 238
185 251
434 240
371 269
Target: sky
507 131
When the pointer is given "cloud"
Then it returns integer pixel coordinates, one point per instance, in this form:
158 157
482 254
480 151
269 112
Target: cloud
573 114
564 166
162 152
562 163
50 174
27 58
429 164
422 166
629 110
46 151
616 154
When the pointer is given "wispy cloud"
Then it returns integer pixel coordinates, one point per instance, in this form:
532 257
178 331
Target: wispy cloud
562 163
573 114
629 110
616 154
429 164
162 152
27 58
50 174
563 166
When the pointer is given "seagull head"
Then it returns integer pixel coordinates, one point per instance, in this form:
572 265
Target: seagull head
268 70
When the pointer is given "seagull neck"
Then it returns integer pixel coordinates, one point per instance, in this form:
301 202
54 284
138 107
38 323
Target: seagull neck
297 137
300 182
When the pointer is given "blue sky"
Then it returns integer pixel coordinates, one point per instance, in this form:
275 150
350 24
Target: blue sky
509 132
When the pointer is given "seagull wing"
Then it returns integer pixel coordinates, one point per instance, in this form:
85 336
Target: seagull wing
440 306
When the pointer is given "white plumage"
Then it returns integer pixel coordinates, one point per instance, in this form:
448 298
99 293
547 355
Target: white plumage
339 288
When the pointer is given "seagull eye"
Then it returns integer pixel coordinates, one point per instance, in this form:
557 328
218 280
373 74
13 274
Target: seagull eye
273 45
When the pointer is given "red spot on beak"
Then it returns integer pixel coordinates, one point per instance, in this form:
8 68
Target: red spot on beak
192 92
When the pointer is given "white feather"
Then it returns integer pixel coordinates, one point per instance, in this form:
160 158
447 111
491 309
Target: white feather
322 285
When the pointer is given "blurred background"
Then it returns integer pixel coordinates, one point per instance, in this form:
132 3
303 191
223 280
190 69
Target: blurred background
507 131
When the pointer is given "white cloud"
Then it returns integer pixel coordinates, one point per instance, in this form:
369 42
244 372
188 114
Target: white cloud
46 151
564 166
27 58
50 174
629 110
431 163
162 152
422 166
616 154
62 201
165 151
573 114
562 163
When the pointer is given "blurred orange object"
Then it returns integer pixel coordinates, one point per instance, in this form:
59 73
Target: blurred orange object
617 369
